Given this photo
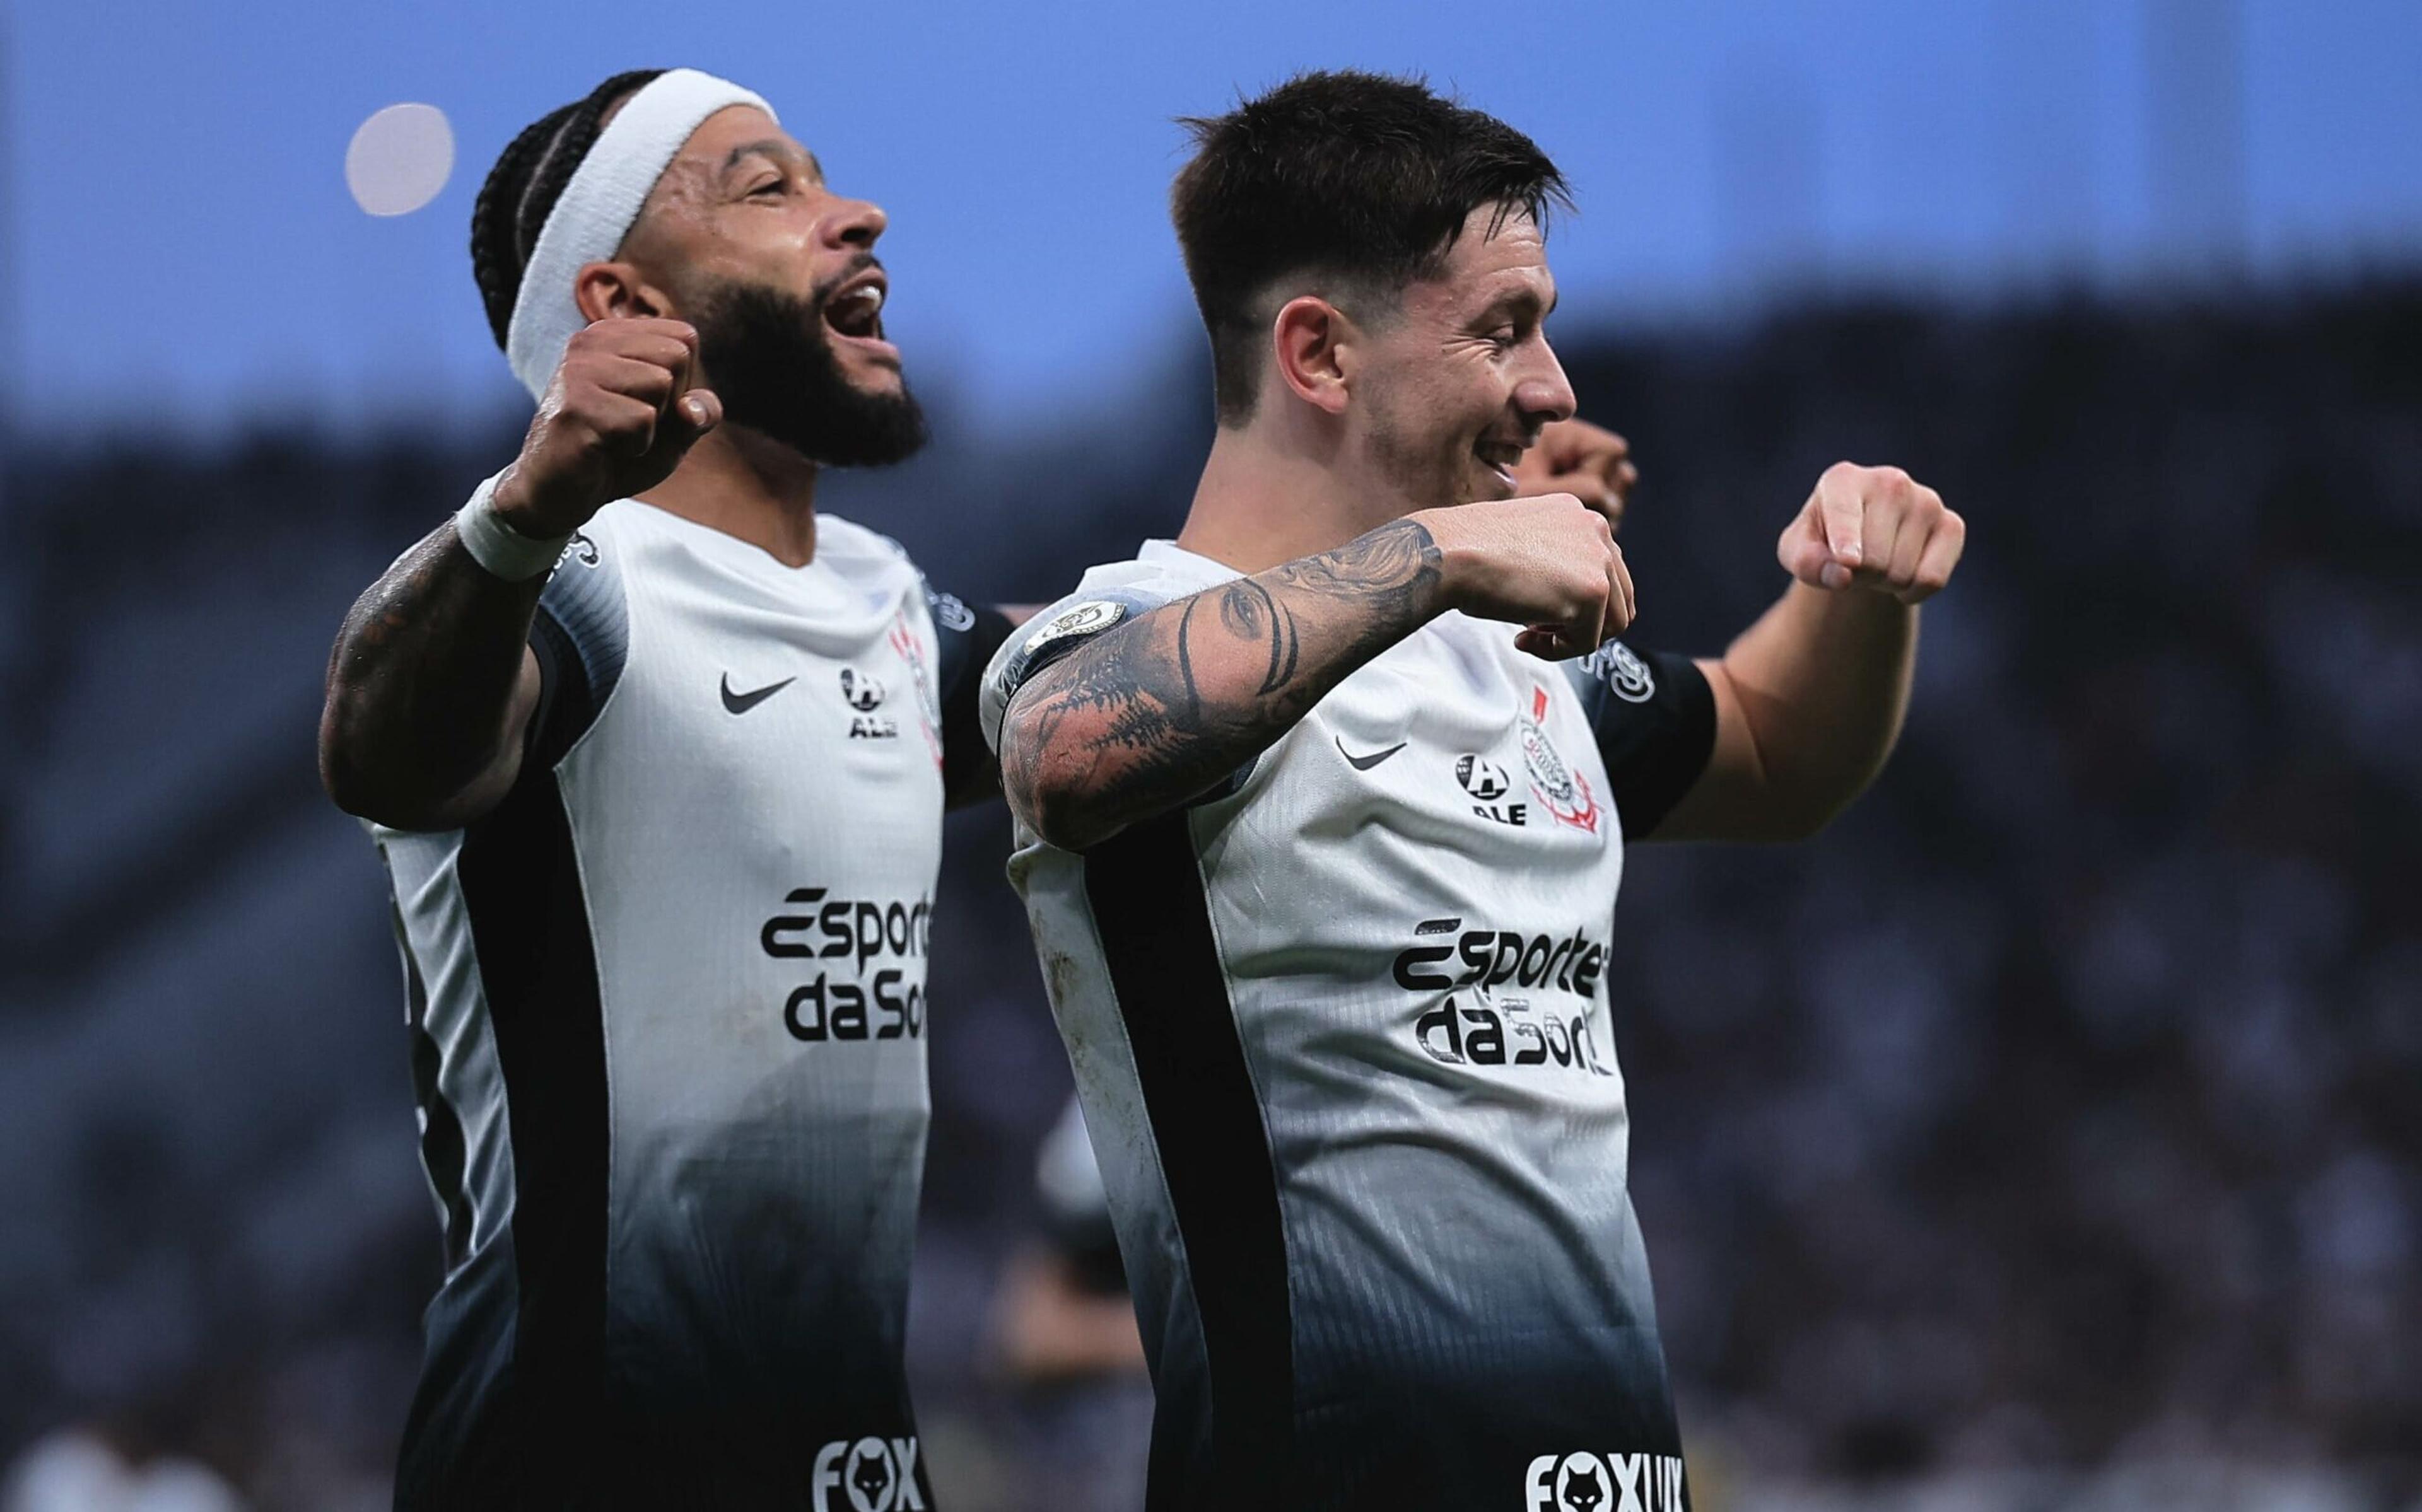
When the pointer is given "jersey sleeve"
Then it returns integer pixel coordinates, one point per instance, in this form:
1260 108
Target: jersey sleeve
1655 722
968 639
1052 635
581 636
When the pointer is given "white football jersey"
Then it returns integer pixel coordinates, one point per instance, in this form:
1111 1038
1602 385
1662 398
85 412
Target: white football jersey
668 1017
1343 1035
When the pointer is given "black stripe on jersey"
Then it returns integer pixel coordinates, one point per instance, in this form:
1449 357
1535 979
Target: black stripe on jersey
581 636
529 924
1148 903
567 703
441 1150
460 1453
969 638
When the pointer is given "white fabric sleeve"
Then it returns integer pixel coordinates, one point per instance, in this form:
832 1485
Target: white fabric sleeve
1052 635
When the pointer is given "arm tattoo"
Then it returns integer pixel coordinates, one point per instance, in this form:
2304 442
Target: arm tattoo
422 676
1157 710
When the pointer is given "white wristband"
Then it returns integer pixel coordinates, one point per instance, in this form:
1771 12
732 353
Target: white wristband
497 546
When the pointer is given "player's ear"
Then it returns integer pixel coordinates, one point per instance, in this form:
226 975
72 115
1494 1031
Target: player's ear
616 288
1307 337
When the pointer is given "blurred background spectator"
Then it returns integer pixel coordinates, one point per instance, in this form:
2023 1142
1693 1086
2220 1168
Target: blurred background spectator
2047 1134
1064 1336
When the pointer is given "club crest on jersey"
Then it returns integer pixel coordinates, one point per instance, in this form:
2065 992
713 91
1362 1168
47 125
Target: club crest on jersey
1560 789
1620 668
1585 1481
871 1475
911 650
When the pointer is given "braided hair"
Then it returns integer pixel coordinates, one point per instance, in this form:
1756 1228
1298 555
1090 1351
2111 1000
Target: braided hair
522 189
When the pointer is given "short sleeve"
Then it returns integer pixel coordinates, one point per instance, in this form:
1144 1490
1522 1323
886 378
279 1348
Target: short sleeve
1655 722
967 639
1052 635
581 636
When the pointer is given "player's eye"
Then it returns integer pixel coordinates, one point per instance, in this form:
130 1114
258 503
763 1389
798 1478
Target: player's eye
771 186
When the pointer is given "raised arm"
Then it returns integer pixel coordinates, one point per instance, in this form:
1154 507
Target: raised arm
1809 699
432 684
1155 712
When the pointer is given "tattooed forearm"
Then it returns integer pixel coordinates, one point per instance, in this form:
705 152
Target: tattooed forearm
423 688
1156 711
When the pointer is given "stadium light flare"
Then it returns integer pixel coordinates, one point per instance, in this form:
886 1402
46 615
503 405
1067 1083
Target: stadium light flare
399 158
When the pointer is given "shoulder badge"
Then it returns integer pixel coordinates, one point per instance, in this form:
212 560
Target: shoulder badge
1088 618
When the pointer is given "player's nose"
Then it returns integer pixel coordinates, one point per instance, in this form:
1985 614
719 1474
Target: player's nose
1542 392
854 223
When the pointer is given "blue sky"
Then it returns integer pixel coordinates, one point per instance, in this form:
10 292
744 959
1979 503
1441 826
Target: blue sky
184 251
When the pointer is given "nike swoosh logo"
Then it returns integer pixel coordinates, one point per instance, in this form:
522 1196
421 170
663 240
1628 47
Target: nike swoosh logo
741 703
1366 763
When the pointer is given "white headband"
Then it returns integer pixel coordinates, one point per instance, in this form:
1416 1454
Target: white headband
589 222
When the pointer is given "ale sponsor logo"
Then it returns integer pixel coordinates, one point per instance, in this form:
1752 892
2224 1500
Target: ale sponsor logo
867 1474
863 692
860 690
1486 783
1586 1481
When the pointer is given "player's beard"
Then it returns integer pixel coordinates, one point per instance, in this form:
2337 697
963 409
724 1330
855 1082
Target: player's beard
1423 474
777 375
1426 466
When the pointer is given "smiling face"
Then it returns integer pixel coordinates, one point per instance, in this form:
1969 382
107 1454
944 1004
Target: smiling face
742 203
778 275
1452 387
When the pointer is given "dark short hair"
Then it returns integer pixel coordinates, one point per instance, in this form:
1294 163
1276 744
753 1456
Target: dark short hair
1355 178
528 177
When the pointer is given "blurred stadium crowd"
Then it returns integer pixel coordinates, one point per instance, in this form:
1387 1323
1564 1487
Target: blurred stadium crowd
2047 1134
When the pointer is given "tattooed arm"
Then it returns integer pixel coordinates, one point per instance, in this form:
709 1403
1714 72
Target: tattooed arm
429 690
1153 713
432 682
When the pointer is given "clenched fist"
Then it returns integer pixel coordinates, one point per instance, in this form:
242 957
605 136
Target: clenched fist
1588 462
1548 564
1877 528
620 412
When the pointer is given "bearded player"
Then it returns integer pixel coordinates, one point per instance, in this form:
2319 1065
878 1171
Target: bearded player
1322 812
656 754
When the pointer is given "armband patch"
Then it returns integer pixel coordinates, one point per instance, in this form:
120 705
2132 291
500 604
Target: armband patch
1623 672
1080 619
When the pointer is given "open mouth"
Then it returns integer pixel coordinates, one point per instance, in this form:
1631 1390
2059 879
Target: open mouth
1499 458
854 312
